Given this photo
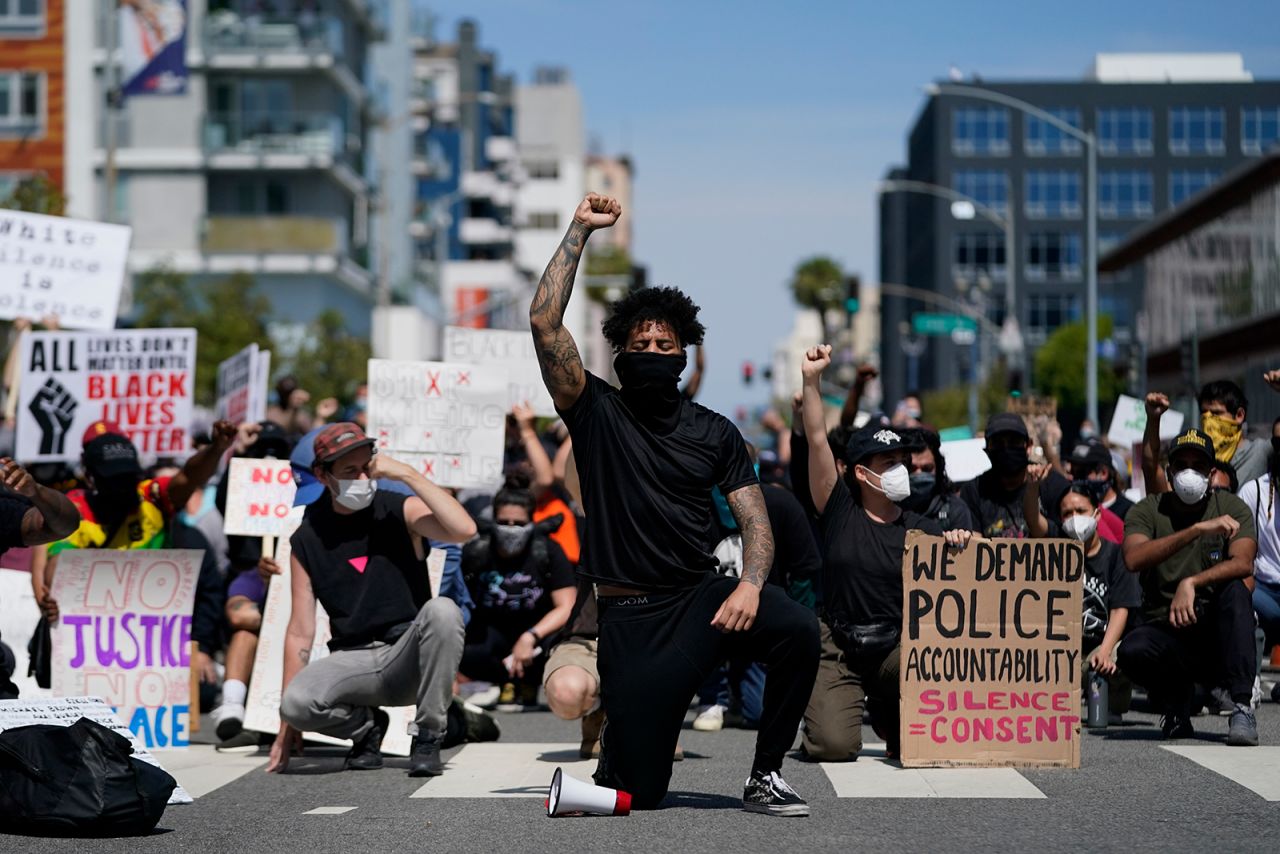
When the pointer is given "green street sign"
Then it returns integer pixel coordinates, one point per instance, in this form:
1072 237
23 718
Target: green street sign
942 324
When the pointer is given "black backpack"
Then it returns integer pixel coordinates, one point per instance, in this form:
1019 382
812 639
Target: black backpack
78 780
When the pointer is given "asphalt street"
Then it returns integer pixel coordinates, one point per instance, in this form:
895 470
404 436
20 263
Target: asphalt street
1132 793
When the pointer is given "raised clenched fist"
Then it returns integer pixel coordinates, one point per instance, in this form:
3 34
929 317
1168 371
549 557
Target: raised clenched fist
597 211
815 362
1157 404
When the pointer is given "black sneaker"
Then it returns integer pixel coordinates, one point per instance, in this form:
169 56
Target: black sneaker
770 794
1176 725
366 754
424 759
1220 702
1242 731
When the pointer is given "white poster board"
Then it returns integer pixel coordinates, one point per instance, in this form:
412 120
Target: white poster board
124 634
242 386
1130 421
142 379
69 268
19 616
64 711
965 458
510 350
260 498
446 420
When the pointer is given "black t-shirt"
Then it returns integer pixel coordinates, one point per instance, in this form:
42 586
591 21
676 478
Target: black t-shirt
1108 584
363 568
1121 506
862 564
13 508
514 592
997 512
648 494
795 552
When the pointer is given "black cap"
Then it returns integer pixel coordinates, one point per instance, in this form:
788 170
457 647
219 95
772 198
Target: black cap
1091 453
1006 422
271 441
111 455
1195 440
877 439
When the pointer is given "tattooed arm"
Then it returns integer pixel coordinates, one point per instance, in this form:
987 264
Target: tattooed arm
562 370
298 638
739 611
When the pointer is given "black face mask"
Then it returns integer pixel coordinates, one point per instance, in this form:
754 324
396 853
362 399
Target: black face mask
650 381
1008 461
923 486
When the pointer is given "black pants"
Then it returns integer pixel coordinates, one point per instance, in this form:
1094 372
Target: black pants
1218 649
486 646
657 649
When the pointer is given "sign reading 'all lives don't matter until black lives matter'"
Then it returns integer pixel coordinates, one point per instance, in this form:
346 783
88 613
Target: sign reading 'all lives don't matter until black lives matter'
991 652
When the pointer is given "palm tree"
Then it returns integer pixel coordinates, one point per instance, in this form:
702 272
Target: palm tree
818 282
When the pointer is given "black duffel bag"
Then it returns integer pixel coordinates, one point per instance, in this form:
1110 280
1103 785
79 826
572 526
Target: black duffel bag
78 780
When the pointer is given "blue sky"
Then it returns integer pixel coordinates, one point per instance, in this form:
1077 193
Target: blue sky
760 129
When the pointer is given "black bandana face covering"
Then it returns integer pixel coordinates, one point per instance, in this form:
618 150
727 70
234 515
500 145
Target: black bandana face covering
651 382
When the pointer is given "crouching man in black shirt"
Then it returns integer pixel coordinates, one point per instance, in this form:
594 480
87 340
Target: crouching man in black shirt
359 551
647 459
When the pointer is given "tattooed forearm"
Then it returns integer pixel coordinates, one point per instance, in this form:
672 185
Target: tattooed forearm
748 508
558 357
305 655
552 296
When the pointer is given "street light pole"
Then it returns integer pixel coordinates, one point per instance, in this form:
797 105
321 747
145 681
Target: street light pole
1090 142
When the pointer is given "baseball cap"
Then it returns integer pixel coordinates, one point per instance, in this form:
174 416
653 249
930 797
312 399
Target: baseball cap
1195 440
1006 422
101 428
334 440
111 455
302 459
271 441
876 439
1091 453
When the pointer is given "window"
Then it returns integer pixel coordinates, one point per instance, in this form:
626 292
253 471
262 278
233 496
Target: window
543 169
1053 193
1196 130
21 103
543 219
974 251
1259 129
1053 254
1124 130
21 17
1043 138
987 187
1119 308
1124 193
1047 312
1186 183
980 130
1108 240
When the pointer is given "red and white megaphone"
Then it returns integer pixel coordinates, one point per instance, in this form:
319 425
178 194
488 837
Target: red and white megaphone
570 796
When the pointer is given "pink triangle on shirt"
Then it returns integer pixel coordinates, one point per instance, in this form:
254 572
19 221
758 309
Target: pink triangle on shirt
359 563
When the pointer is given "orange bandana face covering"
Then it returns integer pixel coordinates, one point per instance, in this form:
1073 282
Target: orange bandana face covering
1224 432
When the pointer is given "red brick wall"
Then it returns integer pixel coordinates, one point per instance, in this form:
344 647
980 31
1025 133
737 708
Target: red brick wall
45 153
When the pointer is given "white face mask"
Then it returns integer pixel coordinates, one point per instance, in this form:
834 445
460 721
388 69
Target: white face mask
1190 486
895 483
1080 527
356 494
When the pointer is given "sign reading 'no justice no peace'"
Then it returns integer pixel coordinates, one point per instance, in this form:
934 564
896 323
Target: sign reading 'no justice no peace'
991 652
447 420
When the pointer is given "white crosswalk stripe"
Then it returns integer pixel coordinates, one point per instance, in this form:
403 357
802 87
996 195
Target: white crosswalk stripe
1255 768
200 769
873 776
498 770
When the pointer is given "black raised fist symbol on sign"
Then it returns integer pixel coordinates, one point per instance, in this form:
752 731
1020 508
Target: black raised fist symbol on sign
54 409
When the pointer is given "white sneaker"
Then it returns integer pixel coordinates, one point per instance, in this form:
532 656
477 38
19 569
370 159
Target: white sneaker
486 699
228 720
709 719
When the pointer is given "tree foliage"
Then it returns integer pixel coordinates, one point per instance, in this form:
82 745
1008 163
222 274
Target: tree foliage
331 361
1059 366
818 282
949 407
36 194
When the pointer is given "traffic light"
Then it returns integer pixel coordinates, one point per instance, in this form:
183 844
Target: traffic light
852 294
748 373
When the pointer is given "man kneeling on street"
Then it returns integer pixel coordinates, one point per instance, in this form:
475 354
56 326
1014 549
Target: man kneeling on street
359 552
1194 549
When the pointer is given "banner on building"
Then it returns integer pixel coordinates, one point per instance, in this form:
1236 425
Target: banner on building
445 419
66 268
1129 422
991 652
260 498
124 634
153 47
506 349
242 386
141 379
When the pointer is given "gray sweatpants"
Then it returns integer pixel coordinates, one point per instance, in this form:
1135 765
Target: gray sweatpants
334 696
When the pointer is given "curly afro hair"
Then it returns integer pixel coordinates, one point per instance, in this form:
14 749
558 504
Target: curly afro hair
660 305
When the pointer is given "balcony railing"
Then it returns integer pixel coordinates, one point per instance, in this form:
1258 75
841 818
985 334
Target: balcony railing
313 134
229 33
273 234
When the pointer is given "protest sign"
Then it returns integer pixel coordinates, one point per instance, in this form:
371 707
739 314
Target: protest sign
965 459
69 268
446 420
260 498
141 379
124 634
242 386
991 652
64 711
19 616
262 708
1129 422
510 350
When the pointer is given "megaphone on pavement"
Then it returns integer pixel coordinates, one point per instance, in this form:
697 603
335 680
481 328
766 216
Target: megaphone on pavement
570 796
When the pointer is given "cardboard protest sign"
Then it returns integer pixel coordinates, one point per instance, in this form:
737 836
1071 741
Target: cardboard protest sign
260 498
262 708
142 379
446 420
509 350
19 616
242 386
1129 422
991 652
64 711
124 634
69 268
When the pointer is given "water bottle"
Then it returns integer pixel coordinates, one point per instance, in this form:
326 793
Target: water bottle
1099 707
